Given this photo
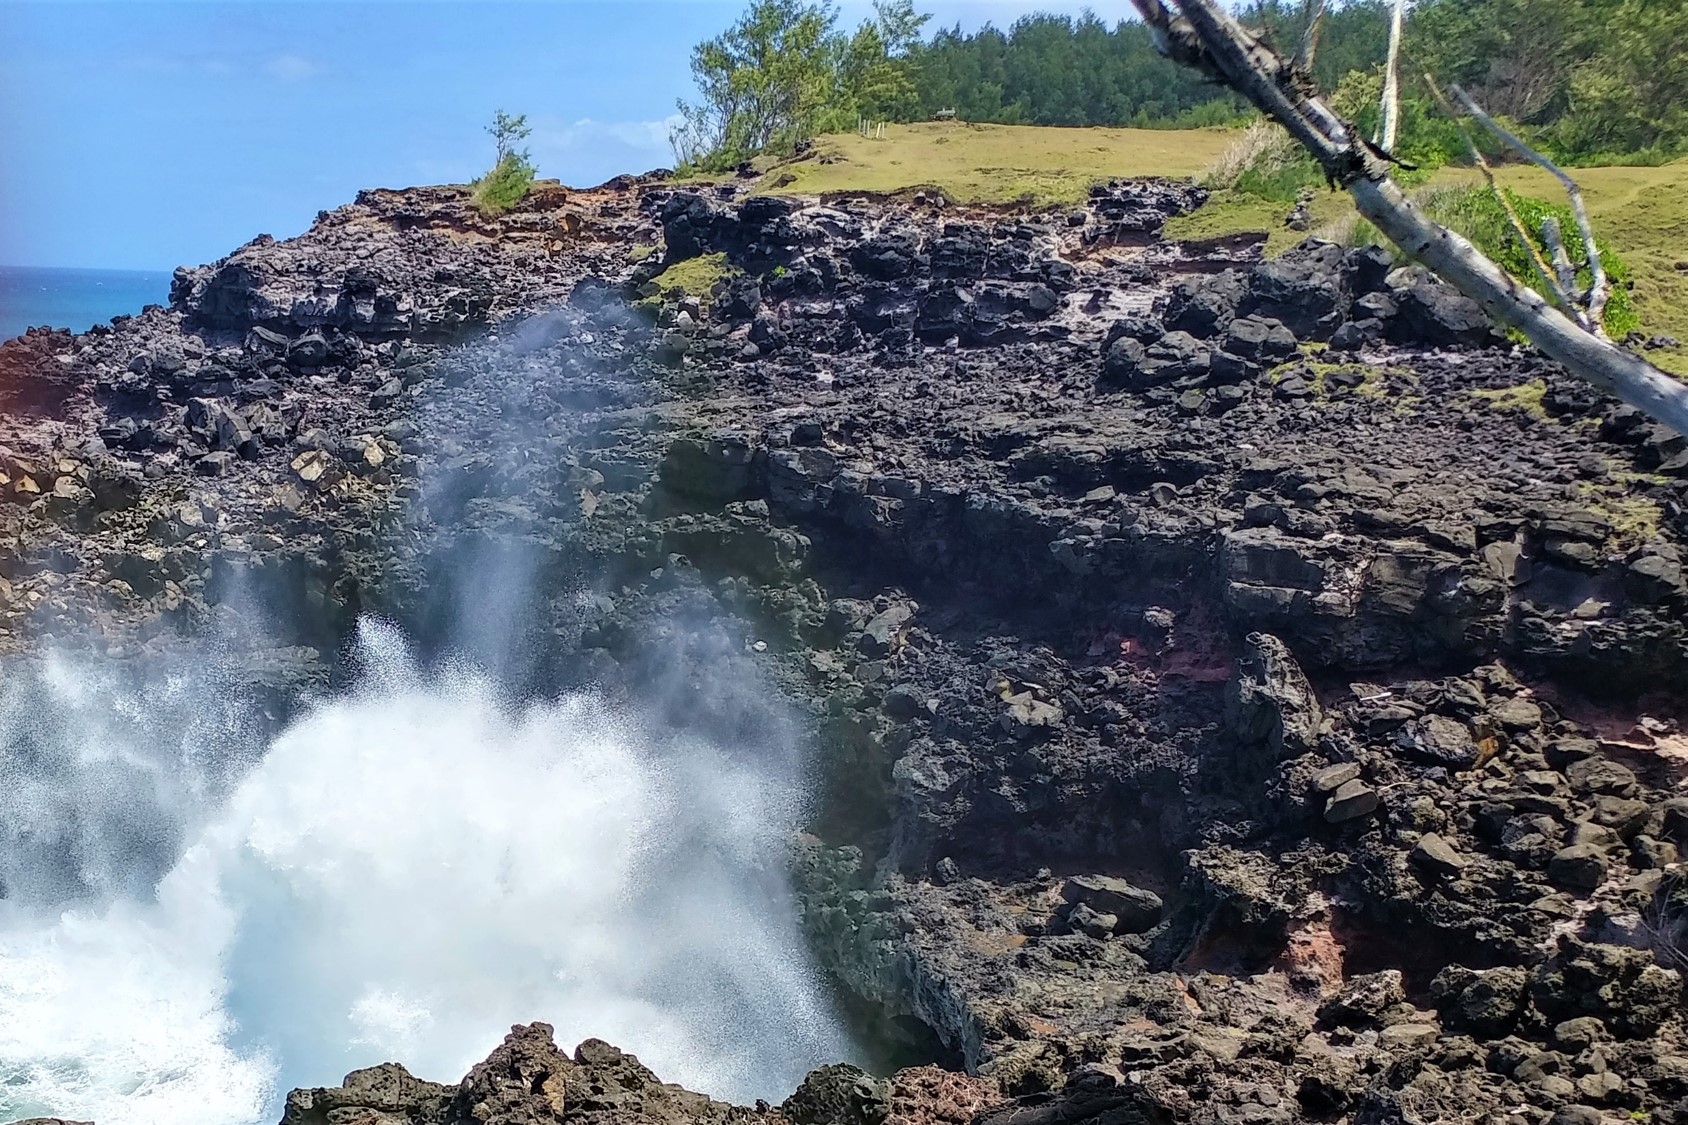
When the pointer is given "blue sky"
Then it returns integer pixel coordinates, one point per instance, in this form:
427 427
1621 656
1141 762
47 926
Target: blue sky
143 135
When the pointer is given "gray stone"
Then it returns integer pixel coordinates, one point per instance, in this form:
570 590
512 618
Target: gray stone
1097 925
1134 908
1440 741
1595 835
1517 714
1332 778
1577 1035
1622 815
1483 1001
885 629
840 1094
1351 801
1601 775
1578 867
903 702
1408 1035
1364 999
1437 855
1577 1115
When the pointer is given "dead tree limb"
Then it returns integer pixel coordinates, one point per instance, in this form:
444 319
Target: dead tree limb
1598 288
1553 281
1313 13
1204 36
1391 124
1551 235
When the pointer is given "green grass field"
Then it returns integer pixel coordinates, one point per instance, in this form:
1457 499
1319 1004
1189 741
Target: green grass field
995 163
1641 212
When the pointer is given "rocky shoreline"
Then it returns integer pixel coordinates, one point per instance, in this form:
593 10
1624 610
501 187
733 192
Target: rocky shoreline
1242 691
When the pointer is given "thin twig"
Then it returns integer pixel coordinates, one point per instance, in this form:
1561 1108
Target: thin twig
1598 286
1392 81
1554 288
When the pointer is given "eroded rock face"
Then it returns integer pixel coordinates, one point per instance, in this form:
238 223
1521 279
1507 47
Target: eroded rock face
1204 727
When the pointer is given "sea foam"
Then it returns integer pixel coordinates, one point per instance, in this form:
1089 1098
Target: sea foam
405 872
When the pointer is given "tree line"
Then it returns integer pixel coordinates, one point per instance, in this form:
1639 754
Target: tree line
1588 79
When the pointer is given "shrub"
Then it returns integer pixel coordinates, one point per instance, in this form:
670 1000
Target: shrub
505 186
1261 149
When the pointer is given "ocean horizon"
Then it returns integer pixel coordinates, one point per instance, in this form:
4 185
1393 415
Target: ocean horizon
77 299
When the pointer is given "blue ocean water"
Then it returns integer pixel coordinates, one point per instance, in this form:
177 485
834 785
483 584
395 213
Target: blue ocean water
74 299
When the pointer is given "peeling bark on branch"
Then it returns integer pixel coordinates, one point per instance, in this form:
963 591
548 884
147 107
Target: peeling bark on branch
1598 286
1392 80
1204 36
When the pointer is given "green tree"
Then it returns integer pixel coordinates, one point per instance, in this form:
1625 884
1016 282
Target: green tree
877 73
765 83
1631 94
508 131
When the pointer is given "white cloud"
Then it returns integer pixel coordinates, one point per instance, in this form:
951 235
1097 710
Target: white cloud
586 151
291 68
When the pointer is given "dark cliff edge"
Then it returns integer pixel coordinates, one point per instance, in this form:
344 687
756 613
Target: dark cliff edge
1243 692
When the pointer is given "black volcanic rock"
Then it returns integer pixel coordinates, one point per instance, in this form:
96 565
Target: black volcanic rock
1034 625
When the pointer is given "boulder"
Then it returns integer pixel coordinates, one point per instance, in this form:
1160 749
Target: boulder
1270 700
1435 314
1434 854
1580 867
840 1094
1132 365
1202 306
883 631
1624 988
1439 741
1258 338
1303 288
1134 909
1601 775
1484 1002
689 225
1363 1001
1332 778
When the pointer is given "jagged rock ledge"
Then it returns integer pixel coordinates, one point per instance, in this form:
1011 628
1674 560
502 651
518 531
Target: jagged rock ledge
528 1079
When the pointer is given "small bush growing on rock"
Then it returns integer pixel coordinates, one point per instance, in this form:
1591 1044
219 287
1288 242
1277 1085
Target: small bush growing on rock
512 172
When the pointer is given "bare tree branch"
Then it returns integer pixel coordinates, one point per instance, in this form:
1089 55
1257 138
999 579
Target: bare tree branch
1556 288
1551 235
1206 37
1598 287
1313 12
1392 80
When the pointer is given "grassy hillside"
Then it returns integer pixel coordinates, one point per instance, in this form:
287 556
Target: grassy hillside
1642 212
996 163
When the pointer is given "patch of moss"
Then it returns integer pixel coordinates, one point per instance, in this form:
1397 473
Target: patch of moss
1633 519
1526 397
694 277
640 252
1373 381
1234 212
